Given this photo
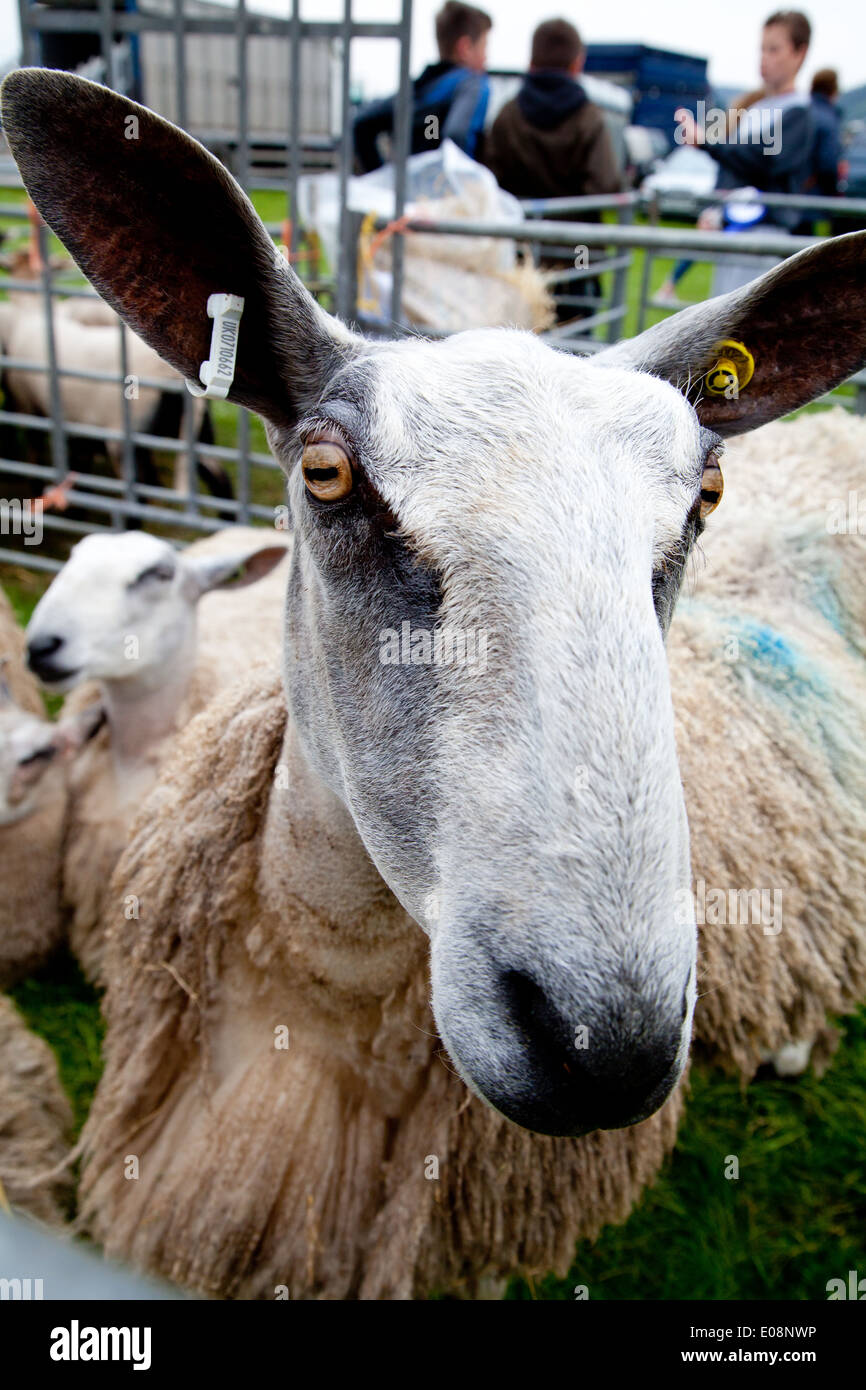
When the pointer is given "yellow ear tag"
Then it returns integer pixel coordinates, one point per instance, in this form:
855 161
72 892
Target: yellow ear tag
732 372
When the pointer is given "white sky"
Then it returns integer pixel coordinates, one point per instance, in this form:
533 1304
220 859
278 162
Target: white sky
727 33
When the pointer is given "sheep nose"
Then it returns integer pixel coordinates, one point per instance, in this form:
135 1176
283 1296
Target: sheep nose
598 1073
40 650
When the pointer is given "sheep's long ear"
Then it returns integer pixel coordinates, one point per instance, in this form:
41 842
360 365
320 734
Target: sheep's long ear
207 572
157 224
803 323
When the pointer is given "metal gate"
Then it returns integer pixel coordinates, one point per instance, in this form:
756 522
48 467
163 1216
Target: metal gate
201 65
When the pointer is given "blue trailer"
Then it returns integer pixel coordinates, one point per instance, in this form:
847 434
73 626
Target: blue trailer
659 81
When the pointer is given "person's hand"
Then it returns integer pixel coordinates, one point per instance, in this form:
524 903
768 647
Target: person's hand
710 219
690 131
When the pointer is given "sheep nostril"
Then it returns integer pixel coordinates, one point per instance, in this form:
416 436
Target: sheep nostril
39 649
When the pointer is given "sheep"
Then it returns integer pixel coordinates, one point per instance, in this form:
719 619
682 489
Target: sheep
20 684
81 342
35 1121
33 801
511 821
151 634
769 686
27 265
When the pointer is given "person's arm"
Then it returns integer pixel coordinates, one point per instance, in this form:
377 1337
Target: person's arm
598 168
792 131
368 125
465 120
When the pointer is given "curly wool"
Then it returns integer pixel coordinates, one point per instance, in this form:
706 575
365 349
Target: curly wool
769 687
35 1121
31 921
307 1168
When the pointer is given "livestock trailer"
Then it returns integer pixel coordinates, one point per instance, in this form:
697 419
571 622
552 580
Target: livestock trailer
658 80
144 64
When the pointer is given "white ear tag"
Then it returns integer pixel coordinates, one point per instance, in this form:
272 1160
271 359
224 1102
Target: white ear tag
217 374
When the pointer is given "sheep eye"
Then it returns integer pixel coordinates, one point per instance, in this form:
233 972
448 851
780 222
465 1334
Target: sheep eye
712 485
40 755
162 572
327 470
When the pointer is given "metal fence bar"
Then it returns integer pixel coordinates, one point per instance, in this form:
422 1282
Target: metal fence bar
180 63
345 302
402 146
294 133
45 21
600 234
625 215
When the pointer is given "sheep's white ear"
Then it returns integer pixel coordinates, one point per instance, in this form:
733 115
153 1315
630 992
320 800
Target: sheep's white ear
207 572
803 325
158 225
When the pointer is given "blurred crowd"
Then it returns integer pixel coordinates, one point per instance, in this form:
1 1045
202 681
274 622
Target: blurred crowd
552 141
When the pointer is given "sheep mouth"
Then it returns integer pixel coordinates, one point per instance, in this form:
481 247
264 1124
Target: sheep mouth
56 678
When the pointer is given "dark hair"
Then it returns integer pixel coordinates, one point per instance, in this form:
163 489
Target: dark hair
555 44
825 83
456 21
798 27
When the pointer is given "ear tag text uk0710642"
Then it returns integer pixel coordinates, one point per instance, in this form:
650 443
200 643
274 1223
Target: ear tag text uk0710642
732 371
217 373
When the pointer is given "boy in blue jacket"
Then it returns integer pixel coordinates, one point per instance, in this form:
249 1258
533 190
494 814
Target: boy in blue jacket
449 99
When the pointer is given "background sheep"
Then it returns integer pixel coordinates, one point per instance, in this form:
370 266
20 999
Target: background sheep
769 686
27 265
33 800
84 339
161 632
20 683
35 1121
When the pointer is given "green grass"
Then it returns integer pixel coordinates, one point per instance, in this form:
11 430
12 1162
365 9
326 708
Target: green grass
63 1008
794 1218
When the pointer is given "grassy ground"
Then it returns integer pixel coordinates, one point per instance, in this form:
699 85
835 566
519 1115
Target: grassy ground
794 1218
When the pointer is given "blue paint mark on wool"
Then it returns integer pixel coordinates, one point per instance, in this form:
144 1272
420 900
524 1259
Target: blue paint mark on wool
778 662
803 694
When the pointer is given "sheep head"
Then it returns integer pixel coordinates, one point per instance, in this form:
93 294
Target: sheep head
123 609
489 541
29 747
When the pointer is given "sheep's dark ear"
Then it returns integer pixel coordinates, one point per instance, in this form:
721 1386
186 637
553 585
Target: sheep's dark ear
207 572
803 324
157 224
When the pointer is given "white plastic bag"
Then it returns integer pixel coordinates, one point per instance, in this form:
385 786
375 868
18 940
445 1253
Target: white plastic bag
450 282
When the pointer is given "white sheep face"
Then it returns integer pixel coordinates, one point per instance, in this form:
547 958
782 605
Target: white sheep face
121 607
28 747
522 798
